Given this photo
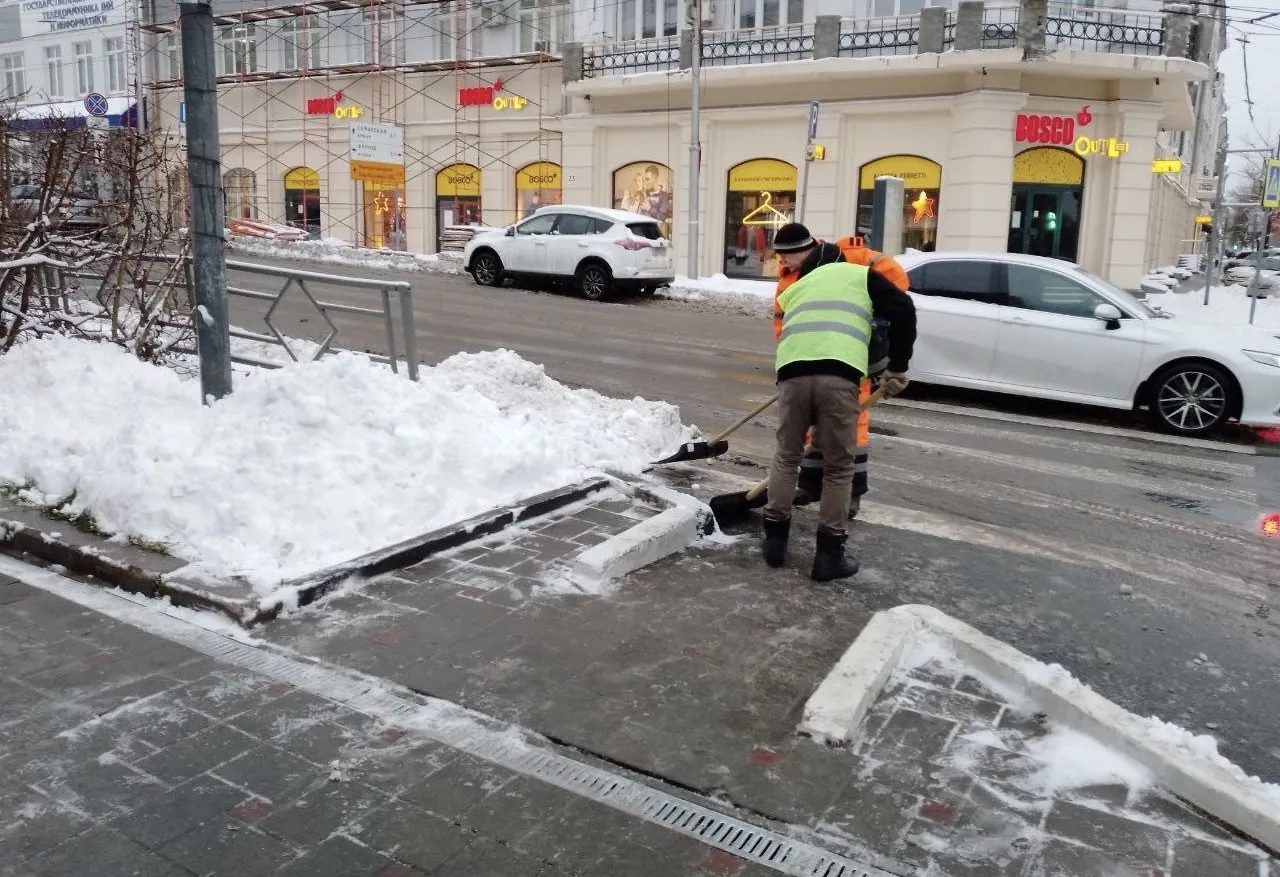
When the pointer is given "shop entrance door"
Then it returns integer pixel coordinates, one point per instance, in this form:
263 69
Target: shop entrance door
1045 221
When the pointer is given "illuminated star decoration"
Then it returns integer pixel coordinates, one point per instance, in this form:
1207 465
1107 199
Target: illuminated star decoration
923 206
497 85
380 203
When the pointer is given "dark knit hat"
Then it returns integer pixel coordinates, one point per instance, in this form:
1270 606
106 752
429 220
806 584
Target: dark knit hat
792 238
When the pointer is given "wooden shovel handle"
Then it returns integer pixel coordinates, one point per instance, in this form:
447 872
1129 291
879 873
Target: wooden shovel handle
757 489
746 418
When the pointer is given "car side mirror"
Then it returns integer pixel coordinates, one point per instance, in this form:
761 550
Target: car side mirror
511 232
1109 314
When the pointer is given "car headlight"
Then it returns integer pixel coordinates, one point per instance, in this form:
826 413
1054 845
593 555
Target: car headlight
1272 359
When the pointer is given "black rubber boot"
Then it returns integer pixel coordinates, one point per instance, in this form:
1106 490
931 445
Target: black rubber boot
855 505
829 560
774 547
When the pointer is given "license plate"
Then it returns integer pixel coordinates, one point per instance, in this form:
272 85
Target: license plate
658 251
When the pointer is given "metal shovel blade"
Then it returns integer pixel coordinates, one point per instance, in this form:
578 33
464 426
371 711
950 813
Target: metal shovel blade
698 450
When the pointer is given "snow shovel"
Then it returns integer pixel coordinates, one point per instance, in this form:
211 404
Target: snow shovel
713 447
729 508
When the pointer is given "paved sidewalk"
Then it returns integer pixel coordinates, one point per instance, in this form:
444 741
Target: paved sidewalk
124 753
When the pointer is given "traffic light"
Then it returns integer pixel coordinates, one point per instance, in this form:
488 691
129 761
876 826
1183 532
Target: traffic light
1050 221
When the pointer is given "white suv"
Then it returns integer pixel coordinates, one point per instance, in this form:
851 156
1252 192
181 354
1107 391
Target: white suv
601 251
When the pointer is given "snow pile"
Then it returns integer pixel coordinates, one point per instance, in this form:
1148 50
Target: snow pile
1228 306
718 292
303 466
337 252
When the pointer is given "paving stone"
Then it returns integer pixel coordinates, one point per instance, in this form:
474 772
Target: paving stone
224 847
485 858
591 538
1164 808
578 835
107 789
874 814
412 835
1061 859
909 735
198 753
310 818
35 823
935 673
974 686
610 521
426 571
566 528
320 743
517 807
132 694
458 786
337 857
102 851
546 547
501 558
1123 838
970 711
272 773
179 810
296 709
1192 858
794 782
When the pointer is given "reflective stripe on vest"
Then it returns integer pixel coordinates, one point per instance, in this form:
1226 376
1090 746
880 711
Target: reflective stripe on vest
826 315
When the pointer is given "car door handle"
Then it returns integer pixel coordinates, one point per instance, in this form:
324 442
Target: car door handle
1018 321
582 244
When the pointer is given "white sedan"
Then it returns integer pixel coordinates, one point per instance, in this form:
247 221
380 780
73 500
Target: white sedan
1032 326
601 251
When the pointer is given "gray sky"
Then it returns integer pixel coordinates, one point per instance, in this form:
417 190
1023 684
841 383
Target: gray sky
1262 55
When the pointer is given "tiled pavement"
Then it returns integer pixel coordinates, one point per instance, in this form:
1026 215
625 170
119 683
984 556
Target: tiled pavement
124 754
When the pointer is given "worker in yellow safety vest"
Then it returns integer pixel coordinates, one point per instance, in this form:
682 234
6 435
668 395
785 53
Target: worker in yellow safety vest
855 252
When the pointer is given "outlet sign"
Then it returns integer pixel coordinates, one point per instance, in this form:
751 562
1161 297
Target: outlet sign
331 106
1050 130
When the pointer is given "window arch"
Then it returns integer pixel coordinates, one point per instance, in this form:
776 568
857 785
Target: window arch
302 199
240 188
760 197
922 196
538 184
646 187
1051 165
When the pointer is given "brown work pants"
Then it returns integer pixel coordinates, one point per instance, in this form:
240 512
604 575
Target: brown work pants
830 404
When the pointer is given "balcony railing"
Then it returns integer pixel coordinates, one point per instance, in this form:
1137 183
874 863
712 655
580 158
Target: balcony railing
997 26
879 36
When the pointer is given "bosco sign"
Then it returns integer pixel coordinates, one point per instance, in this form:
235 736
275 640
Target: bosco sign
1050 130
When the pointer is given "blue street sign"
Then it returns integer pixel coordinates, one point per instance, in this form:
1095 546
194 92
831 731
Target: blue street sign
813 119
182 112
96 104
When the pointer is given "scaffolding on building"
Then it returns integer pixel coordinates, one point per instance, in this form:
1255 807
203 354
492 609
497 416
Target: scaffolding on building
294 77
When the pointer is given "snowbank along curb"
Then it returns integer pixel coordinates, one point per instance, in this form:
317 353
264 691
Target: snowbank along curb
836 709
682 522
152 574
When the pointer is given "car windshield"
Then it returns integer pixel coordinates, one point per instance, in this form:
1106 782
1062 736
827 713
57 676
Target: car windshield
1127 298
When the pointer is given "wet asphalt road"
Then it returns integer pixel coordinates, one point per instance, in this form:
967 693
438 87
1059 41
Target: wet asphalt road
1137 565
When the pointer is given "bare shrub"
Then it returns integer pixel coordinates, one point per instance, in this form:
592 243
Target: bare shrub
93 241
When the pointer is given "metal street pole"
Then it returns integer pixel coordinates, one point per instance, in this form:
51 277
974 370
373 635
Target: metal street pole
204 173
695 140
808 159
1215 233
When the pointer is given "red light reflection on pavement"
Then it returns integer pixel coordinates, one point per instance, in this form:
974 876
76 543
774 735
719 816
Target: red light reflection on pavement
1270 525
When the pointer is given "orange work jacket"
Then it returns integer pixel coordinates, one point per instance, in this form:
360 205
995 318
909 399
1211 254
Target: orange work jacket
855 253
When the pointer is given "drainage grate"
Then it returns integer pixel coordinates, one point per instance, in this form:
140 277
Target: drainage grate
469 732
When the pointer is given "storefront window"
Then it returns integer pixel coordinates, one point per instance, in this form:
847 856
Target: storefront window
1048 194
240 188
385 215
457 198
302 199
922 197
761 198
537 185
645 187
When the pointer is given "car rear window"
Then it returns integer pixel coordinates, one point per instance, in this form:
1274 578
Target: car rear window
648 230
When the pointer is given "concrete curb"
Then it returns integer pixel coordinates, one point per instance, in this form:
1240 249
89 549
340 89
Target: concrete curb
1213 784
837 708
683 521
236 599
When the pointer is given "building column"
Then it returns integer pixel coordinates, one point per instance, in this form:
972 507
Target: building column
977 180
1128 180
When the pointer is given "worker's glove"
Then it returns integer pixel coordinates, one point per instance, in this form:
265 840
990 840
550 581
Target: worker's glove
893 383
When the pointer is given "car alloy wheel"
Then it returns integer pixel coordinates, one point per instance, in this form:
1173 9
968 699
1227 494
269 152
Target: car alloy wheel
595 282
486 269
1191 400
